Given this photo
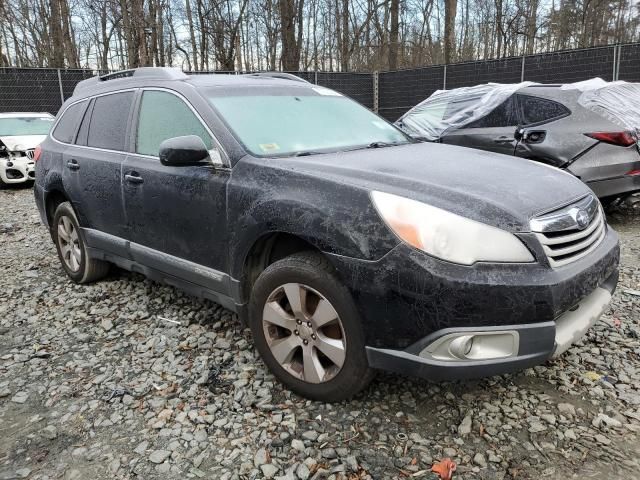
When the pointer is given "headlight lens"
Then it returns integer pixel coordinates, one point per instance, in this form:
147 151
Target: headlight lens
446 235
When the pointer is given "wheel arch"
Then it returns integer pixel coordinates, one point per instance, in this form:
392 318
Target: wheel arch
53 198
267 249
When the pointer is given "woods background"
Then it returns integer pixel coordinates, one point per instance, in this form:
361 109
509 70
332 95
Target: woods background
327 35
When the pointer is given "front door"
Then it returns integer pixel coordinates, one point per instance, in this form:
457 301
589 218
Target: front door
177 211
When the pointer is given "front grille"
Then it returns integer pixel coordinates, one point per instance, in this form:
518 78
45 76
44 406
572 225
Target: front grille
30 153
562 239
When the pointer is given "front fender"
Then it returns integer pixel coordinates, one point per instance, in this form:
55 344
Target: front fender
335 218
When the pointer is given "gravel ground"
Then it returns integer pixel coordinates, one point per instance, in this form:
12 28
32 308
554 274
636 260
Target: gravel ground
127 378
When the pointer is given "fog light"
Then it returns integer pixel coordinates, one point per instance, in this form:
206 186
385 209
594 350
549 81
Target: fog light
461 347
472 346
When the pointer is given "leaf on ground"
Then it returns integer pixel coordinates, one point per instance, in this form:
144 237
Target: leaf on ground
444 468
594 376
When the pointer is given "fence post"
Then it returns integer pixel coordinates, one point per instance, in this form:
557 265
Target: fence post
615 62
315 77
522 69
60 85
375 91
444 78
616 75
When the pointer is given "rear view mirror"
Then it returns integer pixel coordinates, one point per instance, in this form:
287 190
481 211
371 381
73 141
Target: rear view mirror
183 151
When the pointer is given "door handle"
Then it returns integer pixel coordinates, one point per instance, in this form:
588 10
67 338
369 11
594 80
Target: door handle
504 140
133 178
73 165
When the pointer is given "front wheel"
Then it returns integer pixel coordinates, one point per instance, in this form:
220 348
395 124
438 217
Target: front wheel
307 329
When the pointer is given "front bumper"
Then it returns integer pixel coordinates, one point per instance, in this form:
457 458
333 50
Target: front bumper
17 170
408 295
535 343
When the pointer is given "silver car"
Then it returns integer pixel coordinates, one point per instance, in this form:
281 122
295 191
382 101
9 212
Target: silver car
591 133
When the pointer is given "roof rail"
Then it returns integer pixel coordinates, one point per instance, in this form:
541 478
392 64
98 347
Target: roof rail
158 73
280 75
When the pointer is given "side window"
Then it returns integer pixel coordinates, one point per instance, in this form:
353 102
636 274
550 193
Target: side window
504 115
537 110
83 131
162 116
108 125
65 131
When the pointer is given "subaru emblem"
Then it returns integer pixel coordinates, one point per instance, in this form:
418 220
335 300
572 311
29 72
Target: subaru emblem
582 219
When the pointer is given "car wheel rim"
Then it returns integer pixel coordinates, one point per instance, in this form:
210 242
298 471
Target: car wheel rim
304 333
69 244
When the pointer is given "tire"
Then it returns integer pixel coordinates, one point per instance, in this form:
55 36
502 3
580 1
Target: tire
337 375
72 248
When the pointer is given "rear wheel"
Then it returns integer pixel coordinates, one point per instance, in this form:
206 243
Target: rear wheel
72 249
307 329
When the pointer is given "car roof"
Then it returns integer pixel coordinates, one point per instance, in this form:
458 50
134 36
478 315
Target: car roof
25 115
552 91
154 76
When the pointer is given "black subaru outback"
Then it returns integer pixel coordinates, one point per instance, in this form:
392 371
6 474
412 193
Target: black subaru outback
345 245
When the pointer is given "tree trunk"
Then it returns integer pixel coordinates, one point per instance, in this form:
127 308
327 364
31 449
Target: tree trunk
450 8
290 50
393 34
192 34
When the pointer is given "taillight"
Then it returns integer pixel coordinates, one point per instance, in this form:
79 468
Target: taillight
633 173
623 139
36 153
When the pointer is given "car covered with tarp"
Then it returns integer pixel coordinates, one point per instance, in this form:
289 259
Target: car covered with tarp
591 129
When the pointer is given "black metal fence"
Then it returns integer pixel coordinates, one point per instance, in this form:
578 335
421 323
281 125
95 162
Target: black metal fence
388 93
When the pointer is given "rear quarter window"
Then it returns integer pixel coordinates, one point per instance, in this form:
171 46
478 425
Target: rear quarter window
67 126
539 110
109 121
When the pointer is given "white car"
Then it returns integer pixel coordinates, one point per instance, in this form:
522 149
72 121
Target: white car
20 134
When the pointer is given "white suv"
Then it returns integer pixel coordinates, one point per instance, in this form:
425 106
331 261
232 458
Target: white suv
20 134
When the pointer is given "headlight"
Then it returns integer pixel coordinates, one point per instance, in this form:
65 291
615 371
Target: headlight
446 235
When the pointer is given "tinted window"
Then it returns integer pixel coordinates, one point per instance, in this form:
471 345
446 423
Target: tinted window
65 131
504 115
108 126
535 110
83 131
162 116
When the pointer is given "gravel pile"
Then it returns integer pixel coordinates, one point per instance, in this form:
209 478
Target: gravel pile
130 379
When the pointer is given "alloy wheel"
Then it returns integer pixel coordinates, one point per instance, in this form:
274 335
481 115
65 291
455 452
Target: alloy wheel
304 333
69 244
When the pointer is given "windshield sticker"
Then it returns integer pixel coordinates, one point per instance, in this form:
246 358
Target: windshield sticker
326 91
269 147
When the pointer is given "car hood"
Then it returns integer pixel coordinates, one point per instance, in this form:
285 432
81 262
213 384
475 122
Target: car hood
22 142
495 189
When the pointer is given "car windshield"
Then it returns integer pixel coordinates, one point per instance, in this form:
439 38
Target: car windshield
303 123
18 126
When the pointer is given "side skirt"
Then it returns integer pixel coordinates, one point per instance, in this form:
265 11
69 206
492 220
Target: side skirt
194 279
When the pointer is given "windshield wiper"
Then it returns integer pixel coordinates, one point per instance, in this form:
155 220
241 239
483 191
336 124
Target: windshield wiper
305 153
381 144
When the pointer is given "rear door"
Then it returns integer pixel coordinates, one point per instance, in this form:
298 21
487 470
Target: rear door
92 165
493 132
551 134
179 211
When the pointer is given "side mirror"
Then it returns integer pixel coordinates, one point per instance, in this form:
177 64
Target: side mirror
183 151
